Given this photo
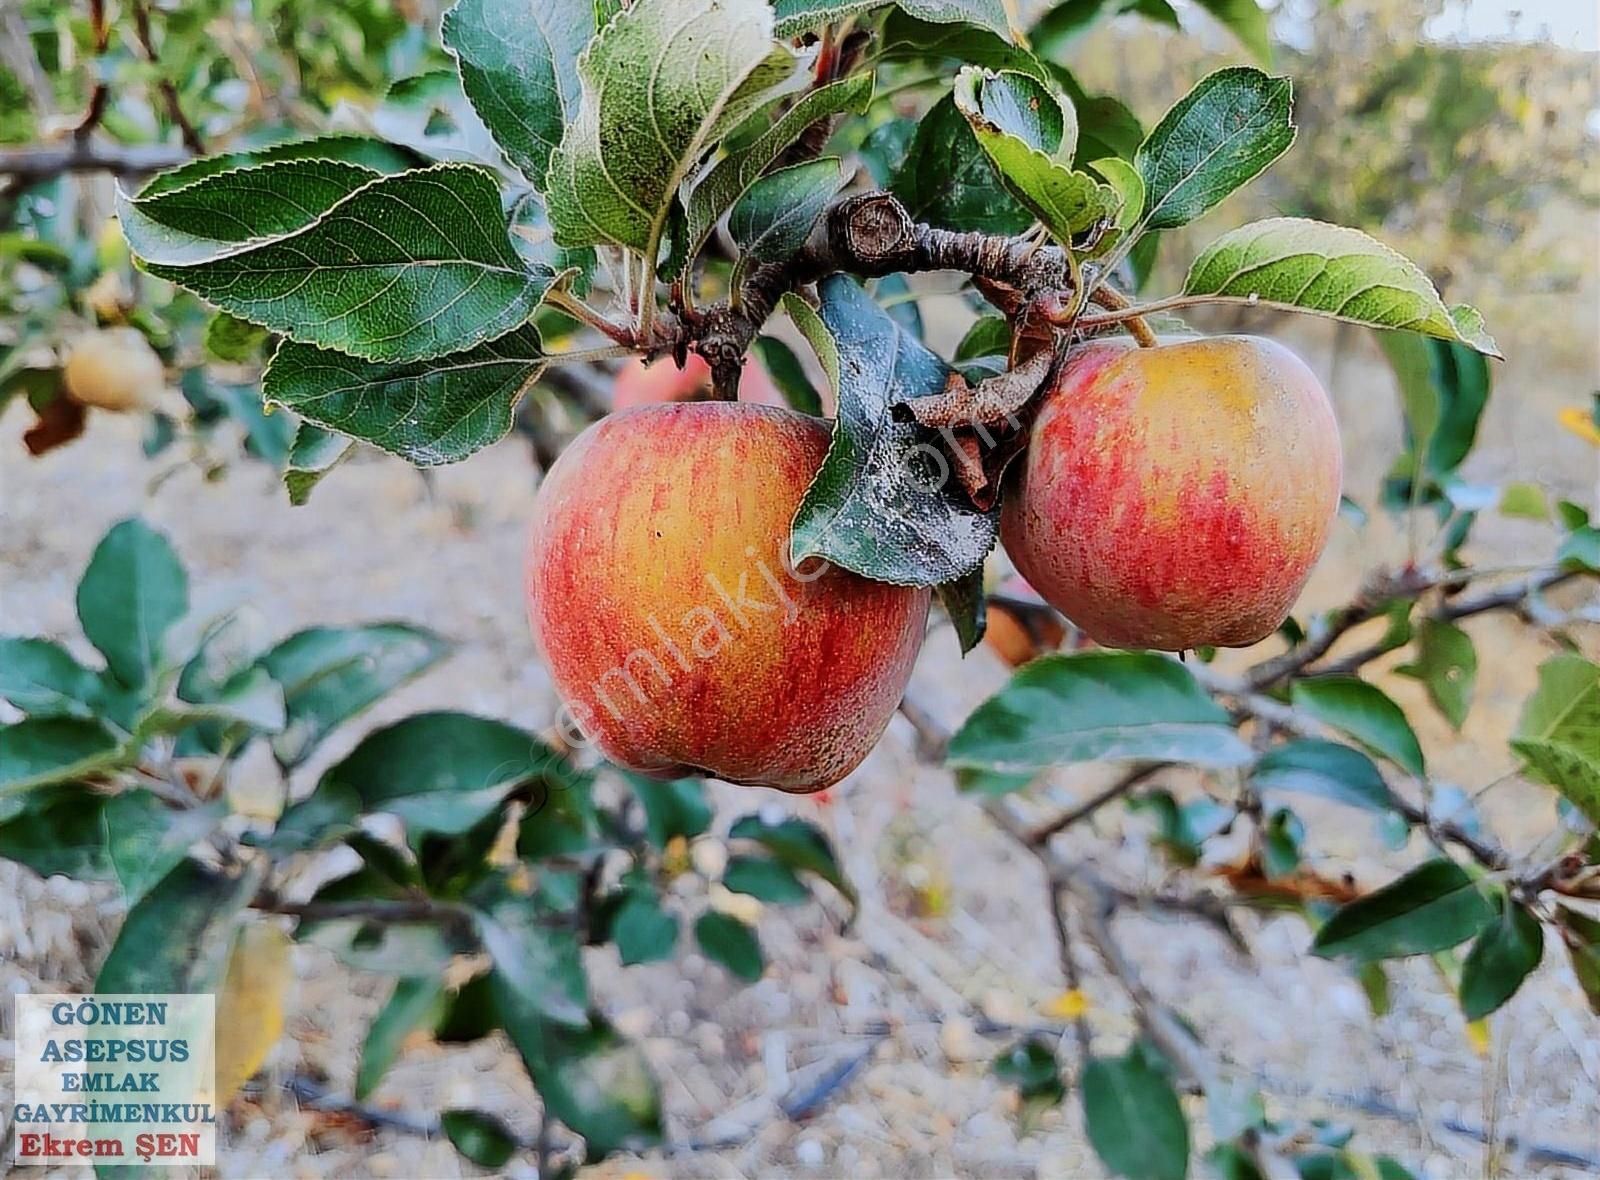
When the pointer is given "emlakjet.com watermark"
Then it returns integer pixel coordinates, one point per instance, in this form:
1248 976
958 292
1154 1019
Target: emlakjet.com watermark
127 1078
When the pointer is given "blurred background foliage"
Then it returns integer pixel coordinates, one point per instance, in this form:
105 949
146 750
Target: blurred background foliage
1476 158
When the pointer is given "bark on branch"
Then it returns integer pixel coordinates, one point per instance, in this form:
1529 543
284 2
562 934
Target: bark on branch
869 235
30 164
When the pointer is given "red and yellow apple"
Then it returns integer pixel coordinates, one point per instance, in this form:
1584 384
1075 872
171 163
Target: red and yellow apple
641 384
661 598
1176 497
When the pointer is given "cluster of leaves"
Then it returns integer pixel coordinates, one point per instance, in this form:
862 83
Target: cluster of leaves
258 75
1479 915
415 303
458 835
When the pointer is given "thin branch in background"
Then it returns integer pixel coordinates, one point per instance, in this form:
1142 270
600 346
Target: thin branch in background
1116 790
100 29
1069 970
31 164
1292 720
1096 903
169 91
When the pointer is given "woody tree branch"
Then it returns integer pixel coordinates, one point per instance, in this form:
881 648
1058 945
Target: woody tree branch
868 235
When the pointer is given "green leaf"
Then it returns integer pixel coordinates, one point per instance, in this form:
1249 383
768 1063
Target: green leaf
43 680
1364 712
1582 936
882 503
642 930
228 338
145 839
989 336
1443 390
1580 550
1447 663
407 949
796 16
414 1004
176 938
133 590
327 814
1558 735
482 1138
1332 270
672 808
1246 20
1327 769
407 267
1183 828
267 435
1029 140
788 374
519 69
1220 136
777 213
313 454
993 16
726 940
663 82
964 605
1097 706
430 114
371 154
250 698
799 845
1432 908
441 772
1504 954
591 1079
427 412
218 215
559 818
538 960
1018 104
712 192
947 178
1031 1067
57 829
43 750
330 674
764 879
1125 180
1134 1119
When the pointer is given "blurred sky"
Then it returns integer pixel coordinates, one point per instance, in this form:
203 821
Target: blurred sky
1574 24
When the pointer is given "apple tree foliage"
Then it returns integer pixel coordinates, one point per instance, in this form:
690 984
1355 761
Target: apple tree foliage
551 186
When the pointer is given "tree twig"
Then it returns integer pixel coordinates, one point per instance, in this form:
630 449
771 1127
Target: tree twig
31 164
1097 901
169 91
1294 721
869 235
1114 791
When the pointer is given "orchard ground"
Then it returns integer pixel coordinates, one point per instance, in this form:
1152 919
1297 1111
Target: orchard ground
952 929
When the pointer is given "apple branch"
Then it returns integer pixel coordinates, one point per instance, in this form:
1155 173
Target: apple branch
1096 904
869 235
30 164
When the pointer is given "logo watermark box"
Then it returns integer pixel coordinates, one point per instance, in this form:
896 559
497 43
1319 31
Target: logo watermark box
129 1078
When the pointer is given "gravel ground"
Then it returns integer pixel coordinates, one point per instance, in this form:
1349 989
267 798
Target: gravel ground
953 933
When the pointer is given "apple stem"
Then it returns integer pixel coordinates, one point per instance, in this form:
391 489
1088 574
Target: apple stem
566 301
1111 299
